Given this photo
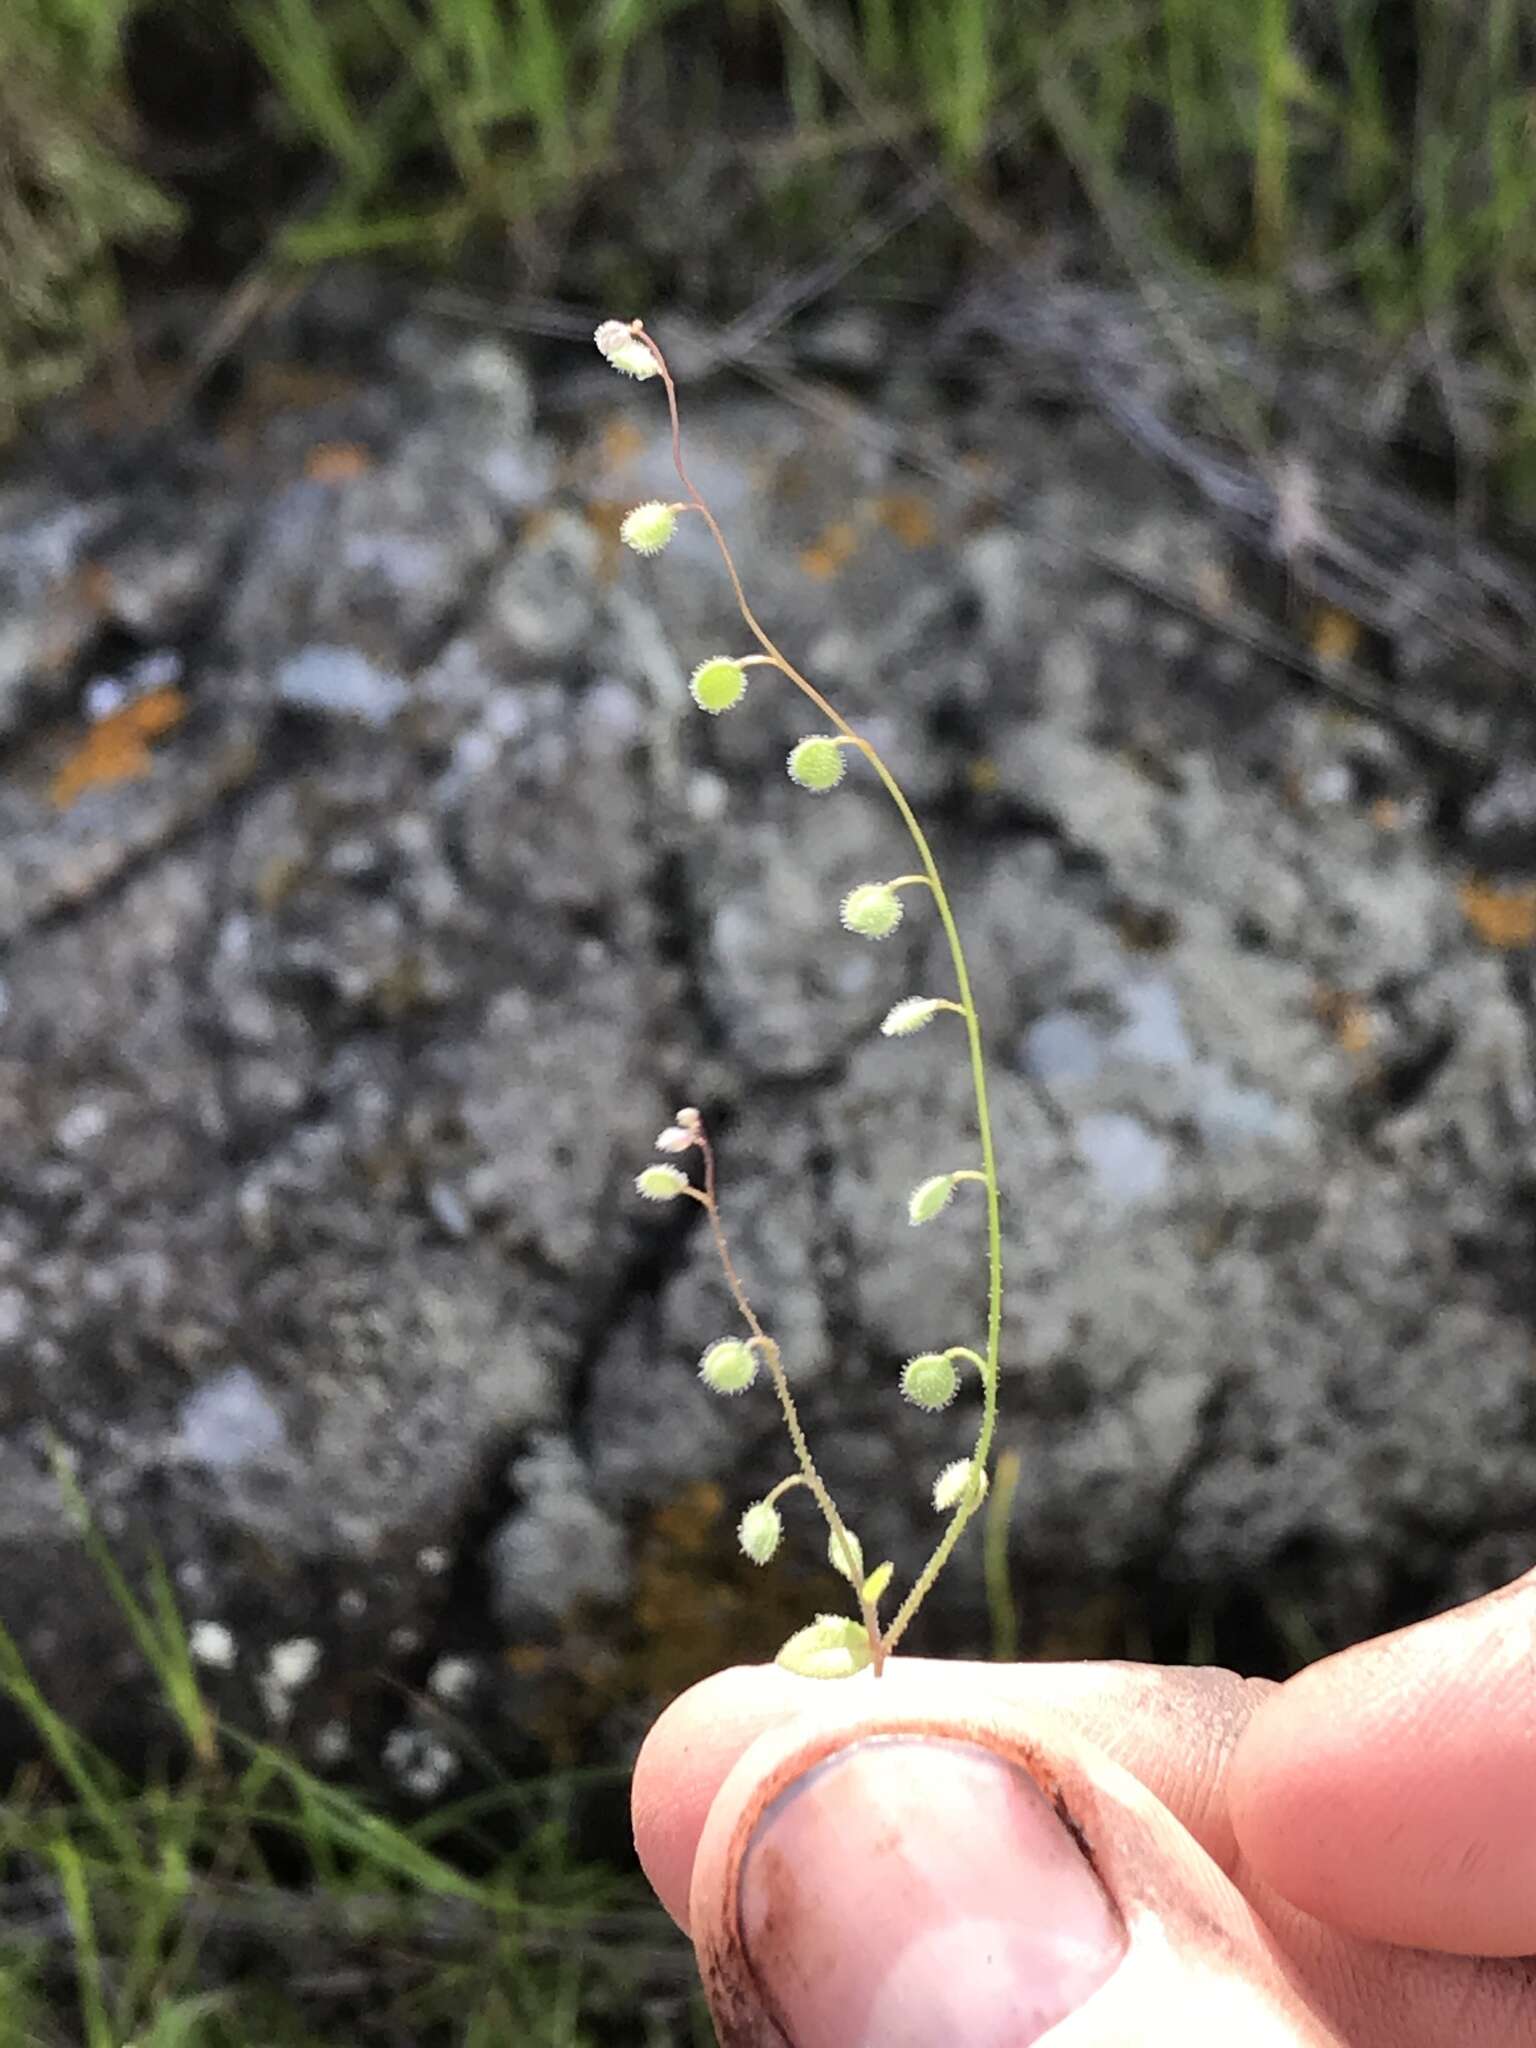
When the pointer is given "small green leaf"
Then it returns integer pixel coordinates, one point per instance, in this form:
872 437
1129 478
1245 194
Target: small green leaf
832 1646
878 1580
929 1197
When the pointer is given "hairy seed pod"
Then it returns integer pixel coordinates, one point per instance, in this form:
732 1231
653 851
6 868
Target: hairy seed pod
873 910
649 527
910 1015
729 1366
929 1197
718 684
661 1183
837 1554
930 1381
817 763
759 1530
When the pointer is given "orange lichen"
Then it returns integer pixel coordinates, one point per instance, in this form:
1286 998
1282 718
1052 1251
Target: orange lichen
830 552
623 442
337 462
1335 635
907 516
1347 1017
116 749
605 516
1502 917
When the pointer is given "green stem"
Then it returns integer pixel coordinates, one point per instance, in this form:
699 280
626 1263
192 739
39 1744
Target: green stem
882 1645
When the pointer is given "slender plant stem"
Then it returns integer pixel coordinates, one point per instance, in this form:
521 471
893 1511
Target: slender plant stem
881 1644
770 1350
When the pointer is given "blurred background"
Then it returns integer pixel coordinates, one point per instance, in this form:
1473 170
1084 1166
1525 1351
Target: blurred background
1124 413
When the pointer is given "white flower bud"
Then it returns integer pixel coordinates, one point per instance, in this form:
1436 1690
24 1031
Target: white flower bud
675 1139
949 1488
619 345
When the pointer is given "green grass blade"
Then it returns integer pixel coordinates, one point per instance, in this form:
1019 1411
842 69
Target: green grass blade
99 2031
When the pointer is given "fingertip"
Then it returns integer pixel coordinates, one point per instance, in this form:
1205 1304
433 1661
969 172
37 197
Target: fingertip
685 1759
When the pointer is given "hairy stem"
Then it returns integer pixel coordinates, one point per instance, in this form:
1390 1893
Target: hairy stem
775 1363
881 1645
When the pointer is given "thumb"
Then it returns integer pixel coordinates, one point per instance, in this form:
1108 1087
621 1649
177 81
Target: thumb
879 1878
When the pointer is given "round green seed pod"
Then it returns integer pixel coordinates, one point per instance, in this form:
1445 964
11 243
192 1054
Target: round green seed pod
718 684
759 1530
649 527
873 910
661 1183
930 1381
817 763
729 1366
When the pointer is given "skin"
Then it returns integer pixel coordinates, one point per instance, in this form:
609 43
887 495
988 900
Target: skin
1344 1861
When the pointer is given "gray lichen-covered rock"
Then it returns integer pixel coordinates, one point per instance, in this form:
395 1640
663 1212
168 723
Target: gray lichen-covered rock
336 1021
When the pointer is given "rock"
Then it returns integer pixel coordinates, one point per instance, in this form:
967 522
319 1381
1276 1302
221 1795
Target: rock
46 613
338 682
333 1035
543 603
229 1421
559 1550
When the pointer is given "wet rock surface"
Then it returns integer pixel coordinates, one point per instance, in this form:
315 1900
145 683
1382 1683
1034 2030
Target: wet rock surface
356 948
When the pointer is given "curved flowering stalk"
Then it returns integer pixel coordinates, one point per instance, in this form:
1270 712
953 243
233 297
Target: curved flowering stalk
833 1645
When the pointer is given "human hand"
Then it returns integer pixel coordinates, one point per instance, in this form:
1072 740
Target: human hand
1105 1854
